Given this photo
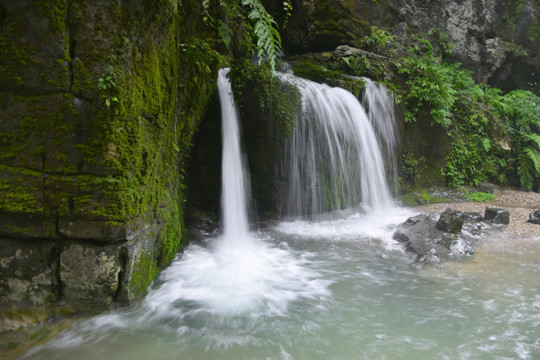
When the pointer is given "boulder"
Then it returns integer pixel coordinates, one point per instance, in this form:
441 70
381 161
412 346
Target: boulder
497 216
451 221
534 217
431 239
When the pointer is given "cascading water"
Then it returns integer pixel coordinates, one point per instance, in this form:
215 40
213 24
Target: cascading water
379 103
234 184
333 159
338 289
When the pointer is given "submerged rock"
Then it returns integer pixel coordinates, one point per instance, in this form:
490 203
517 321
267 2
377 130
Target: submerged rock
534 217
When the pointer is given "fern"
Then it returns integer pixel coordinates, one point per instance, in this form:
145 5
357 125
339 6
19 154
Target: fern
535 138
534 156
266 32
525 171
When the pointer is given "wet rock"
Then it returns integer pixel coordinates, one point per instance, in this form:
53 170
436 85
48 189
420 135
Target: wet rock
473 216
428 237
534 217
450 221
90 274
28 282
497 216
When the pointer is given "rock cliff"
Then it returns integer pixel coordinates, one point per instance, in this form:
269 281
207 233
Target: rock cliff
491 37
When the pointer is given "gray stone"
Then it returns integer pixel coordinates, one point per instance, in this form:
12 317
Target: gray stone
141 257
497 216
345 50
534 217
28 285
502 218
98 230
450 221
478 29
27 270
422 237
90 274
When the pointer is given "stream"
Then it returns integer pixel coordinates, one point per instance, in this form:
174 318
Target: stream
336 289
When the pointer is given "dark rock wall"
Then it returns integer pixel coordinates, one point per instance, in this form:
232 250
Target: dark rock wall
490 36
91 203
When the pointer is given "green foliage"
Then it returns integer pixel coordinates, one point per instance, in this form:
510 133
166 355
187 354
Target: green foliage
480 196
447 48
449 97
356 65
107 85
521 110
309 70
433 84
266 31
287 9
377 39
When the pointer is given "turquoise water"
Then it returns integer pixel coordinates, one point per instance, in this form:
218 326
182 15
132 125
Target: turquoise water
337 289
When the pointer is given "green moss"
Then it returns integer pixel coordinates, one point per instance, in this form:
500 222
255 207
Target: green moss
56 13
144 271
81 78
309 70
15 55
171 237
20 190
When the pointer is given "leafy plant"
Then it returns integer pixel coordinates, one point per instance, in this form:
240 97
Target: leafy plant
480 196
521 109
107 85
266 31
446 95
378 38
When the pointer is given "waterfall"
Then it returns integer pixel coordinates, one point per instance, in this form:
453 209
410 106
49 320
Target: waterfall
333 158
234 184
379 103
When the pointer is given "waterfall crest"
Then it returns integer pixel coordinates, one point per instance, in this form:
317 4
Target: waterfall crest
333 159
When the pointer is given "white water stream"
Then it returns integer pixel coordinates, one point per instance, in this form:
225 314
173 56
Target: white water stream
333 160
334 289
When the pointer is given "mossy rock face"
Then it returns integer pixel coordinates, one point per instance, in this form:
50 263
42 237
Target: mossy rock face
96 171
323 25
